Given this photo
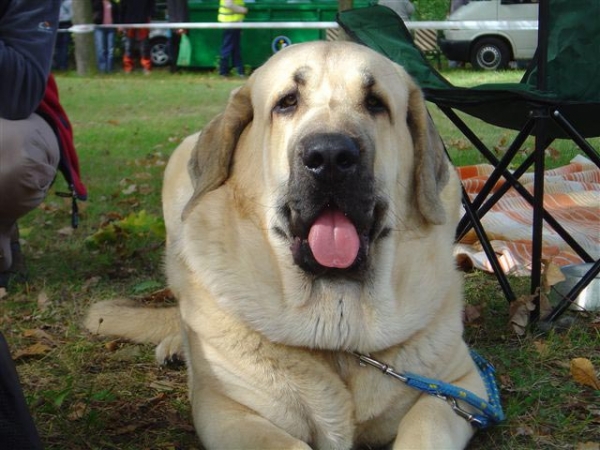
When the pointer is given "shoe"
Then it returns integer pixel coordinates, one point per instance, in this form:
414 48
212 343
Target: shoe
17 270
4 277
5 252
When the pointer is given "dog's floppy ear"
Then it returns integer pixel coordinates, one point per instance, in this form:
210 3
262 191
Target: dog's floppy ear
431 162
210 162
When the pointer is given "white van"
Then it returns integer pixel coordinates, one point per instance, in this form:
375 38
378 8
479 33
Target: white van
491 49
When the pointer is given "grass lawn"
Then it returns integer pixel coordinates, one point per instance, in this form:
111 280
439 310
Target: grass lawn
89 393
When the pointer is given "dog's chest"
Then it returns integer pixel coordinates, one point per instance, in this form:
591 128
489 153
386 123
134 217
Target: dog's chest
374 395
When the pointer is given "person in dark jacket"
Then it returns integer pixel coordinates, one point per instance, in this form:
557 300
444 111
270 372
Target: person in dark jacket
35 134
177 11
105 12
29 156
137 11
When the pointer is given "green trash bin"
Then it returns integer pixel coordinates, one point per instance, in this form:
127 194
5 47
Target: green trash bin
259 44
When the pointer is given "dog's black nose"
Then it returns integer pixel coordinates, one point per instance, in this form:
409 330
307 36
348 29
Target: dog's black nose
330 155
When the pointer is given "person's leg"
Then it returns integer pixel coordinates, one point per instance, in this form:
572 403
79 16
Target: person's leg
109 35
174 43
128 44
29 156
236 51
17 428
226 50
100 49
145 59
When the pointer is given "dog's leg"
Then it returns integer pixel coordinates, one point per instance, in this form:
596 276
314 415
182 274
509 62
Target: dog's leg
432 424
127 319
169 349
222 423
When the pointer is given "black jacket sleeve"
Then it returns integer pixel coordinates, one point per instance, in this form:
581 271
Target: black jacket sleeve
27 35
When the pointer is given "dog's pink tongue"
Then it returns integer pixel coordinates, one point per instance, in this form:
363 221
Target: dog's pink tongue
333 240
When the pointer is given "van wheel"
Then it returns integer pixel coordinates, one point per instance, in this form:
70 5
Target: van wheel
159 51
490 54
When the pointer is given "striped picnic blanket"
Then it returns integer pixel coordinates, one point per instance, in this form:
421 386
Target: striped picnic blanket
571 196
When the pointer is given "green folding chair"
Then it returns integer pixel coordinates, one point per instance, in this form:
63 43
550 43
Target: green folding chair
557 98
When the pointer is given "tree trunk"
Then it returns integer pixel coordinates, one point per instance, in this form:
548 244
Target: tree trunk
85 52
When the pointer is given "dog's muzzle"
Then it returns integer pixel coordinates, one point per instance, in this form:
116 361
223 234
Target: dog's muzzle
331 204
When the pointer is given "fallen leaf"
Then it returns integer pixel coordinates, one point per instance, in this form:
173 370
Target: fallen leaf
551 275
38 334
162 297
33 350
519 311
66 231
472 314
77 411
163 386
129 189
112 346
43 301
553 153
524 430
90 282
506 382
460 144
541 347
582 371
587 446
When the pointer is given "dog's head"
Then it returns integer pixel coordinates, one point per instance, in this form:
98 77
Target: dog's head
332 142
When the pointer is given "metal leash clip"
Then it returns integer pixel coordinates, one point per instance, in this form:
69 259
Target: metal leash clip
461 412
363 360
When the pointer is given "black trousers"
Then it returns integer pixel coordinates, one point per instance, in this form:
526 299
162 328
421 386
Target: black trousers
17 430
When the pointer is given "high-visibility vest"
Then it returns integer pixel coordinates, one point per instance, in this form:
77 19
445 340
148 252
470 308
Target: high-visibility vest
227 15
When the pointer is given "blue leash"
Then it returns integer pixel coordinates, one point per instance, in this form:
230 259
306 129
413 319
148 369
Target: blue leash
490 411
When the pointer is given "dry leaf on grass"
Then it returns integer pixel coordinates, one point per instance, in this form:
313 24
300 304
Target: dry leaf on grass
43 301
541 347
472 314
39 334
588 446
33 350
551 275
129 189
77 411
582 371
553 153
66 231
519 312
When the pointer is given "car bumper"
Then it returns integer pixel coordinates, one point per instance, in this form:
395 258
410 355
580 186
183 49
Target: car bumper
455 50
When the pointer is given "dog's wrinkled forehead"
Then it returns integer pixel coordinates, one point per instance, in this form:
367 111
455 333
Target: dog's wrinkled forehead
329 71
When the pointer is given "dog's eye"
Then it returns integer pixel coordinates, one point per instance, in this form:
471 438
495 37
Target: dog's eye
374 104
287 103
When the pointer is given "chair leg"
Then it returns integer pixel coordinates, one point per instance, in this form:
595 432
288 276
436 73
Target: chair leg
538 207
487 248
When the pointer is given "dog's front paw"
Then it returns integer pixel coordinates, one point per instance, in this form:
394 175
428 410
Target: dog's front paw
170 351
